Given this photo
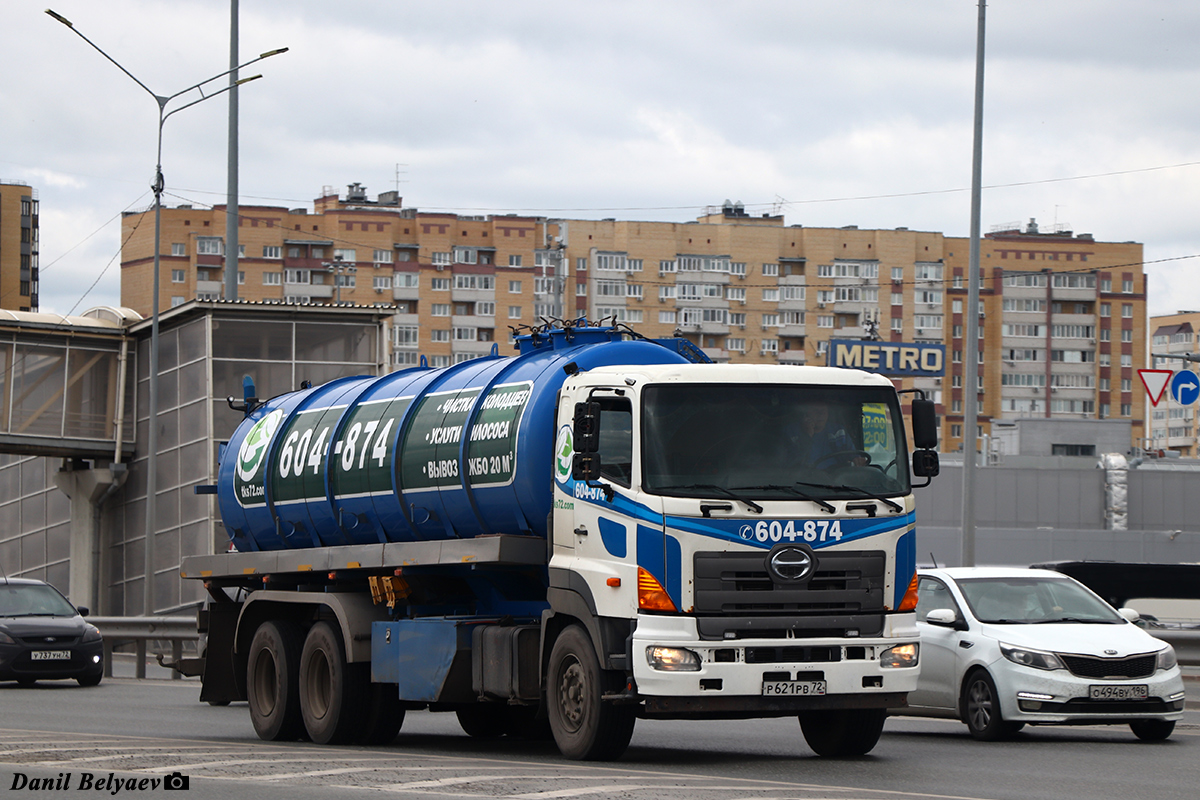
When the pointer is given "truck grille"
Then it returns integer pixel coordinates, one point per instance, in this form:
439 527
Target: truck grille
735 597
1132 667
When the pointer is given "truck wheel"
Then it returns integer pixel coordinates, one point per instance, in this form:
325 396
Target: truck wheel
272 687
585 728
484 721
331 691
1152 730
843 733
981 709
385 715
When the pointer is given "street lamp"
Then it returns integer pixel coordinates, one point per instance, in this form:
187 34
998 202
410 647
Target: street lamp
338 269
157 186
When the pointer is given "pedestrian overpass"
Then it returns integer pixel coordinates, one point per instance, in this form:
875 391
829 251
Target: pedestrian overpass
66 385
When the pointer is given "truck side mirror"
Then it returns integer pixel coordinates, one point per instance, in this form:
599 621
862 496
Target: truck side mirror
925 463
587 428
924 425
585 466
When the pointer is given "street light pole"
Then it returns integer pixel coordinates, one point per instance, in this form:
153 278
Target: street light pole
148 607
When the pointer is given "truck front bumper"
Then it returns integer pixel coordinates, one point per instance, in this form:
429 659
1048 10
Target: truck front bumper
730 679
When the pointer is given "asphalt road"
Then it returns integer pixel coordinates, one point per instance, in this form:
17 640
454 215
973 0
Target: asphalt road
151 728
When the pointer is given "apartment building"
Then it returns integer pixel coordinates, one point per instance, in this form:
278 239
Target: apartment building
18 246
1063 316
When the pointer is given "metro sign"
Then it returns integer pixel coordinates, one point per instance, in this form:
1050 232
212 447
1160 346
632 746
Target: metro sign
1155 381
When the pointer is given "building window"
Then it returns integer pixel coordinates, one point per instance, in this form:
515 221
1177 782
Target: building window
1126 360
824 320
1106 285
178 249
770 295
440 309
514 312
465 255
770 269
383 256
897 273
177 276
345 254
1127 310
406 280
272 278
440 284
439 336
210 246
514 287
666 317
381 282
177 301
1127 286
485 309
406 335
272 251
440 259
1126 409
1072 449
1127 336
514 261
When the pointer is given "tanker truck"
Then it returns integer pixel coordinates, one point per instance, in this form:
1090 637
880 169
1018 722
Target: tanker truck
598 529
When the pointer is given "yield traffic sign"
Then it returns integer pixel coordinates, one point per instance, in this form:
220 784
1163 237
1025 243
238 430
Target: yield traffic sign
1155 381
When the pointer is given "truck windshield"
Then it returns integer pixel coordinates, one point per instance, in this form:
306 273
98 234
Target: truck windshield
773 441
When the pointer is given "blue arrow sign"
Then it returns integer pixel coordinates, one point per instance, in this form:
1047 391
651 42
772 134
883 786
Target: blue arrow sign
1185 387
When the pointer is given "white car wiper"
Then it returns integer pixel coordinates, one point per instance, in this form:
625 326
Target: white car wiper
1077 620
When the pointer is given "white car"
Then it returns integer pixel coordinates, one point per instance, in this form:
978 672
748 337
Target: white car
1001 648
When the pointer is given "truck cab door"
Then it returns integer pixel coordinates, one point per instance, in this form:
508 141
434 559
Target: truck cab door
597 523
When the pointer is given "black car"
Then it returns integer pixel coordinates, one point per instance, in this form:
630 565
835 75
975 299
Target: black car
44 637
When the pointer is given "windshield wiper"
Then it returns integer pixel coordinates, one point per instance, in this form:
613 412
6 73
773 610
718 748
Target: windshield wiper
862 492
1077 620
827 507
755 507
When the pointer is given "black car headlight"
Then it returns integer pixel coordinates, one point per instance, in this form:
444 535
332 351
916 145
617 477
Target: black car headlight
6 639
1026 657
92 634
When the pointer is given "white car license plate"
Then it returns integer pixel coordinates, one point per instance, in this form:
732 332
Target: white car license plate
51 655
803 688
1136 692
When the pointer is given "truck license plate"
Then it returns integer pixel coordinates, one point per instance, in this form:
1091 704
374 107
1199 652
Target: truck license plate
1138 692
50 655
804 688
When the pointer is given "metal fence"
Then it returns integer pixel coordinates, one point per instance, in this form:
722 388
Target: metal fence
140 630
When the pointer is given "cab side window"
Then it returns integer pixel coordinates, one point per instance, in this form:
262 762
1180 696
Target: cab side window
616 440
932 594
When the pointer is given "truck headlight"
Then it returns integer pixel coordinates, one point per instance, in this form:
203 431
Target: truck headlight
902 655
673 659
1166 658
1038 659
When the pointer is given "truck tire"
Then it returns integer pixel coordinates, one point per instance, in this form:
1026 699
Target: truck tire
272 686
843 733
332 692
585 728
385 715
484 721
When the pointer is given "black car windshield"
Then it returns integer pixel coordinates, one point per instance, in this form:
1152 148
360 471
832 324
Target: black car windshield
773 441
33 600
1035 600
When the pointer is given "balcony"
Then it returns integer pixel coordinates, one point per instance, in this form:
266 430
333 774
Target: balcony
307 290
406 293
792 357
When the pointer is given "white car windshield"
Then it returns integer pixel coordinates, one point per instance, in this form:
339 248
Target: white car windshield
1035 600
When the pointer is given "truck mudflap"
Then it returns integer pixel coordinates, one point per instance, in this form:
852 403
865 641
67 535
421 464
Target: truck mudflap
750 707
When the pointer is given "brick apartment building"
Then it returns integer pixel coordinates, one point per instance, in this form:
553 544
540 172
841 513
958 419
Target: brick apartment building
1063 316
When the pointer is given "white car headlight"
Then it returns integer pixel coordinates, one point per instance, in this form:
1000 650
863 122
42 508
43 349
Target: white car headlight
1166 658
1026 657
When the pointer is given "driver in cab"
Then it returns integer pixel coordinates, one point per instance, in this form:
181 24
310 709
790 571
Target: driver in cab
823 444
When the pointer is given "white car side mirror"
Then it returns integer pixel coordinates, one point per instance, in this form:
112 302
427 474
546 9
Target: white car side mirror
941 616
1130 614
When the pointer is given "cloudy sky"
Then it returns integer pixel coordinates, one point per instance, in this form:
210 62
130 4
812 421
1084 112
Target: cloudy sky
832 112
